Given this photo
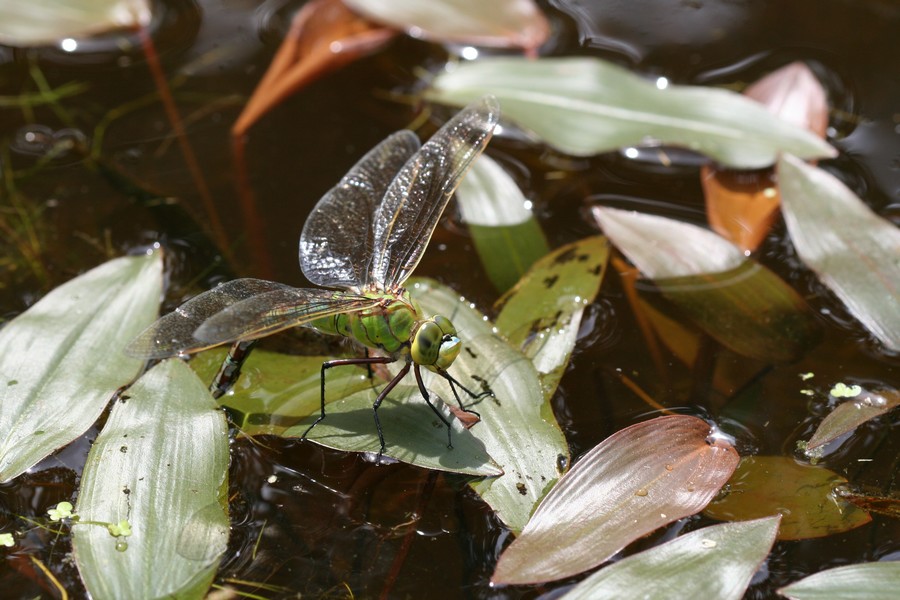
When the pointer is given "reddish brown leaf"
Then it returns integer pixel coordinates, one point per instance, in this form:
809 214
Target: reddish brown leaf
635 481
741 206
324 36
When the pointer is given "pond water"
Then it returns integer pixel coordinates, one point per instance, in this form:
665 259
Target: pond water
331 522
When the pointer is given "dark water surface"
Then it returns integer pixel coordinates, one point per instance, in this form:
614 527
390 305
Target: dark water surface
331 518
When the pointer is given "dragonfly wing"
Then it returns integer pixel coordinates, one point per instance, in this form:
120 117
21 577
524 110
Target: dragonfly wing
174 333
275 311
416 198
337 239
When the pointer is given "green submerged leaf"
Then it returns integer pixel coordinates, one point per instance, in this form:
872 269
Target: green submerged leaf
158 469
62 359
47 21
506 235
584 106
640 478
854 252
713 562
517 425
542 314
865 581
738 302
804 495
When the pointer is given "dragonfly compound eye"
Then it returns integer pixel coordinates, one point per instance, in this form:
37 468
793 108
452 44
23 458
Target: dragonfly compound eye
426 344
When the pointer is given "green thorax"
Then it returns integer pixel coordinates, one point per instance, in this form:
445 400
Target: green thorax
387 326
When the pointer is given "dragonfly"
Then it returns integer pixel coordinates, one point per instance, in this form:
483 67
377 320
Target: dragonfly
360 243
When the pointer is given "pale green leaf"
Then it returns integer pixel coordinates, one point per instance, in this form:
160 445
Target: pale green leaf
517 425
160 464
661 247
714 562
498 23
736 301
65 352
506 235
865 581
412 432
541 315
854 252
44 22
640 478
584 106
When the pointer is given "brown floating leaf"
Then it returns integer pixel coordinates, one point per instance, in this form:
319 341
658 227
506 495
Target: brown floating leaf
741 206
849 415
324 36
803 494
496 23
635 481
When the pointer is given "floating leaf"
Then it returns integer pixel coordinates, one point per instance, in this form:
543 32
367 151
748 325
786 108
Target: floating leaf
660 247
747 308
635 481
498 23
803 495
865 581
507 237
45 22
854 252
66 351
412 432
276 391
158 469
541 315
324 36
517 425
714 562
849 415
741 206
585 106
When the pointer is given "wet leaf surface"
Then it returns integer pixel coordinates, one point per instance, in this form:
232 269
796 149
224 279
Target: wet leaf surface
864 581
542 313
854 252
66 351
585 106
160 464
804 495
637 480
499 23
714 562
852 413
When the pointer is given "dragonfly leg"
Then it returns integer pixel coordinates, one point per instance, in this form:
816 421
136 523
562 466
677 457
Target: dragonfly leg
231 368
454 383
339 362
434 408
387 389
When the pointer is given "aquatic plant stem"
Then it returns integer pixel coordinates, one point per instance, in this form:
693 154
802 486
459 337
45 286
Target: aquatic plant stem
187 151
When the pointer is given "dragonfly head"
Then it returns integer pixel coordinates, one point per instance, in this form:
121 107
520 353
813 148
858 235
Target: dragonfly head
434 343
